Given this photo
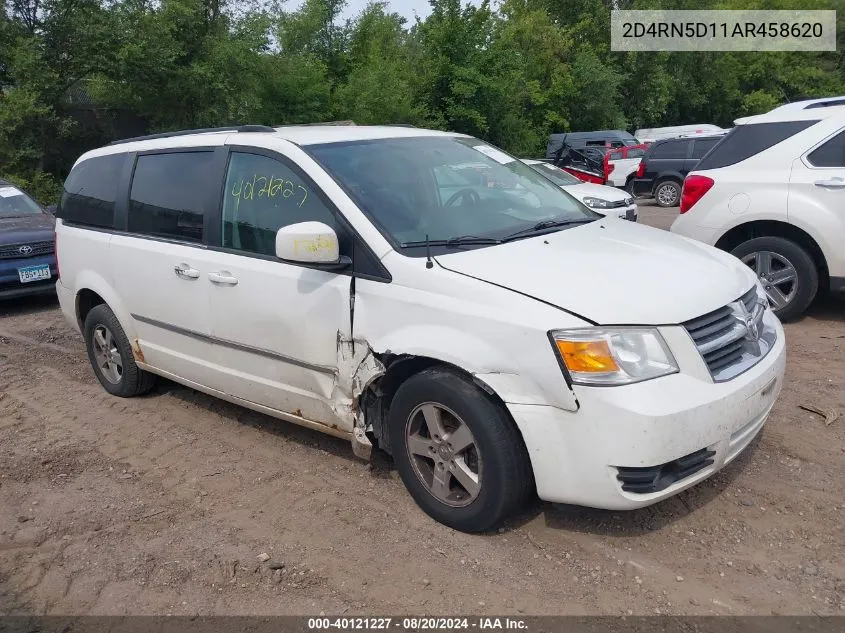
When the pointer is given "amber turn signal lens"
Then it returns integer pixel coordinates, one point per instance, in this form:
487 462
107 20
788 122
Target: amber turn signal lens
587 356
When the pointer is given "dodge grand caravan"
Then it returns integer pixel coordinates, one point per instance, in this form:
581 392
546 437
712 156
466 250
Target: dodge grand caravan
497 339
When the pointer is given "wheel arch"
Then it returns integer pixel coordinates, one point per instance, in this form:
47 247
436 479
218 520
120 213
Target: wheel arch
775 228
376 399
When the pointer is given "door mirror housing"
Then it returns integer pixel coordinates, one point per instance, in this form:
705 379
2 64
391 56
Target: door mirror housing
310 243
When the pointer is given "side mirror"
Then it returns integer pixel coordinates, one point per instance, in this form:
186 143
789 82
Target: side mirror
310 243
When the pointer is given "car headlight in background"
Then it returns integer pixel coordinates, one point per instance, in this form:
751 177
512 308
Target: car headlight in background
596 203
629 202
613 356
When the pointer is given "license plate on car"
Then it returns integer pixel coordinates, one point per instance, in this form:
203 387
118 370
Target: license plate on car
34 273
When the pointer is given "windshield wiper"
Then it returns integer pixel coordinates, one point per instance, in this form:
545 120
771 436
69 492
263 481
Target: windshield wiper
453 241
542 226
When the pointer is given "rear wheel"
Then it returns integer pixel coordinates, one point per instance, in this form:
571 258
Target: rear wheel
787 272
111 355
668 193
457 451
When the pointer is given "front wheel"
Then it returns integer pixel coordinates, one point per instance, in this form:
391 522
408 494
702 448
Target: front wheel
457 451
787 272
668 193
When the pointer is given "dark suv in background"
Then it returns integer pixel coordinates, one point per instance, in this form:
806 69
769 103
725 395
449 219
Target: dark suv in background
665 165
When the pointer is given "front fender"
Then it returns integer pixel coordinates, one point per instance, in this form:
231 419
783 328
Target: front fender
490 362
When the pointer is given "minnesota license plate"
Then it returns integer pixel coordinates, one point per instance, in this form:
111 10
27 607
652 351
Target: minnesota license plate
34 273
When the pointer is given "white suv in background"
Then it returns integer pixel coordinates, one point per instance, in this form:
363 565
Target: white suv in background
425 291
772 192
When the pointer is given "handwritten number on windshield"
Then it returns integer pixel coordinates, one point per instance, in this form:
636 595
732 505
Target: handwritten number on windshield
268 187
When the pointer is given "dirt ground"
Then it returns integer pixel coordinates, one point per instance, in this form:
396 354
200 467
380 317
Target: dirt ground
163 505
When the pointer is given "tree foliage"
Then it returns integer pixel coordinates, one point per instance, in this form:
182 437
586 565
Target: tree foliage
75 74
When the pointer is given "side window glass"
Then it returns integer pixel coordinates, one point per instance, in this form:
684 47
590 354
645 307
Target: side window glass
616 155
262 195
636 153
167 195
90 191
700 148
671 149
831 154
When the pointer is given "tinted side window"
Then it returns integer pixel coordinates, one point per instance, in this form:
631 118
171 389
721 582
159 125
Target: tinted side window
671 149
90 191
702 146
744 141
637 152
262 195
167 195
831 154
615 155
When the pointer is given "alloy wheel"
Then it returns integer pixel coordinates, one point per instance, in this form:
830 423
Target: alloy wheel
667 194
443 454
107 355
777 274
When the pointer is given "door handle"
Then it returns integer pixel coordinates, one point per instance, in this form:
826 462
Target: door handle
186 272
833 183
223 277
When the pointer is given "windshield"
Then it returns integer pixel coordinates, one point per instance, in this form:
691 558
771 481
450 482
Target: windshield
442 188
556 174
15 203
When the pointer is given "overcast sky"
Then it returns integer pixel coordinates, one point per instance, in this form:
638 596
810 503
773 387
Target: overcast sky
406 8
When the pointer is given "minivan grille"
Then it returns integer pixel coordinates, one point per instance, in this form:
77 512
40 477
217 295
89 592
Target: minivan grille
733 338
26 249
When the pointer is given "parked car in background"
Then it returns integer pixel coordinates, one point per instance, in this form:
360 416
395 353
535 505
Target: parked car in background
662 170
600 198
773 194
603 139
27 258
498 341
620 165
650 135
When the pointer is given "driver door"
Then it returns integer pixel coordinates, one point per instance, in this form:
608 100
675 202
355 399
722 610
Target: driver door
276 324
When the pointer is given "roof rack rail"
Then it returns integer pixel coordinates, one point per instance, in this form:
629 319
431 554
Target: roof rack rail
399 125
840 101
317 123
204 130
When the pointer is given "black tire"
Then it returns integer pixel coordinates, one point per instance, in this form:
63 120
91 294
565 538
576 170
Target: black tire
672 195
629 187
807 275
133 381
506 478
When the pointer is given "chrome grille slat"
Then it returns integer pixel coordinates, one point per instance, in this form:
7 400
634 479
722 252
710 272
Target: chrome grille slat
695 325
732 338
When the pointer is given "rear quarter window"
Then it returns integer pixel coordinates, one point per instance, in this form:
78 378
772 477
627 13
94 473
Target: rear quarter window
745 141
90 191
670 149
831 154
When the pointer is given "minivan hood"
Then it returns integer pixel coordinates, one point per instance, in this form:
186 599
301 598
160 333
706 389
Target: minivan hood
612 272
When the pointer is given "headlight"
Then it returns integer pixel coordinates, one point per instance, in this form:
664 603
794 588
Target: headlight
613 356
596 203
629 202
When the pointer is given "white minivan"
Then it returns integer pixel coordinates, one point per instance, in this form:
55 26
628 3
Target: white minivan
495 336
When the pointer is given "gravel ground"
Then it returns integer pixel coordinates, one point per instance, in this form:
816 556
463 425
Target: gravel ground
177 503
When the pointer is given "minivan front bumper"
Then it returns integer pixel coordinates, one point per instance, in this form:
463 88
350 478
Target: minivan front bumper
632 446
